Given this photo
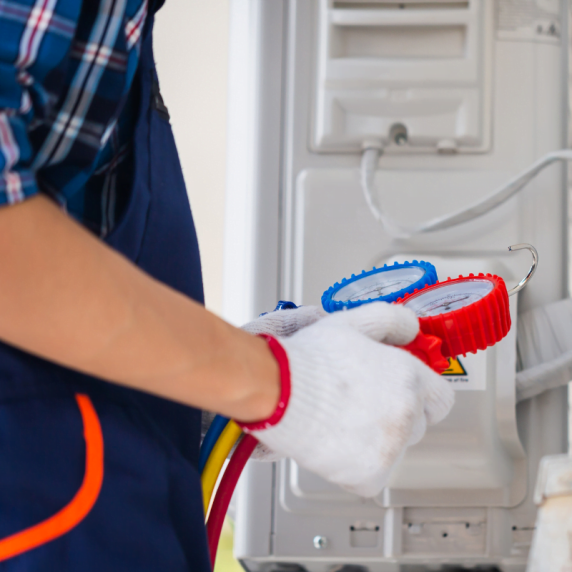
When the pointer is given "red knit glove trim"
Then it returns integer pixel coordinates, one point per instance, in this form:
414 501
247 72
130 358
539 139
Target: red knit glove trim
285 387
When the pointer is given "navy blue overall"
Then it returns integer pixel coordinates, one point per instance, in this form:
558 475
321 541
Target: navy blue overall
147 515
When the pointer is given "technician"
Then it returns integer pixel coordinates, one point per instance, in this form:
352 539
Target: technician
108 354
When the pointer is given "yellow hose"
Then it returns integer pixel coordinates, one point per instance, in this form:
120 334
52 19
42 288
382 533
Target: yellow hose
216 460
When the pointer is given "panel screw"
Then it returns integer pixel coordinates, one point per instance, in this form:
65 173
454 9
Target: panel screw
320 542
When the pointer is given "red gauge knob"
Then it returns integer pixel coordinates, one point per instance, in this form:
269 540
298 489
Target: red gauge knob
428 350
467 314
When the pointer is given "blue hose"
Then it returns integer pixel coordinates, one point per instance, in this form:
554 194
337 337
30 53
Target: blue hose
216 428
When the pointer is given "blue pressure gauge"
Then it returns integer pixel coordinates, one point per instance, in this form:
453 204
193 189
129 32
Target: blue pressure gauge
386 284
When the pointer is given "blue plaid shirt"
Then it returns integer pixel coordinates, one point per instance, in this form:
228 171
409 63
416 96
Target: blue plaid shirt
66 113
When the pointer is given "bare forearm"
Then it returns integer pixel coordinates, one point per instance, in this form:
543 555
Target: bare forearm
66 296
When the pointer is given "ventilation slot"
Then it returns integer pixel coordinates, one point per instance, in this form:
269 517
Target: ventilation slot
399 42
403 5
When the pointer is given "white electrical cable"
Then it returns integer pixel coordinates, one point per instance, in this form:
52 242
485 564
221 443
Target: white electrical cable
540 378
370 158
544 346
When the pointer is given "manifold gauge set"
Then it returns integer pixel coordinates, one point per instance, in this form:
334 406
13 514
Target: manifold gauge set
456 317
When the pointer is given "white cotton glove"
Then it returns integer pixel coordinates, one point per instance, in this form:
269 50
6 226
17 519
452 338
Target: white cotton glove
355 404
284 323
280 324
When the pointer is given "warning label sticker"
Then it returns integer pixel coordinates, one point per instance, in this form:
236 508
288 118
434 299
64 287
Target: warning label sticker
466 375
537 20
455 368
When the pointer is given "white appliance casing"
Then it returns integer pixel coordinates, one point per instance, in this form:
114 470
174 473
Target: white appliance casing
481 93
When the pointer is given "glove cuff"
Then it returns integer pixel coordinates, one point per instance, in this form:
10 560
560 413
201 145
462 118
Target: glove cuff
285 388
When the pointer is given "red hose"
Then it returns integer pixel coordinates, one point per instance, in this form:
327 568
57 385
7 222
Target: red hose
225 491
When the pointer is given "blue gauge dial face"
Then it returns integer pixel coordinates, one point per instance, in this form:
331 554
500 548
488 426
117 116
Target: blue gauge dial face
448 297
379 284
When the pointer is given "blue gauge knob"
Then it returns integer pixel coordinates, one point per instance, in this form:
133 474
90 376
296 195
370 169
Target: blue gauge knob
282 305
386 284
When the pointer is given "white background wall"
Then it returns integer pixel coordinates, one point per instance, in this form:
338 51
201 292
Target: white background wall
191 51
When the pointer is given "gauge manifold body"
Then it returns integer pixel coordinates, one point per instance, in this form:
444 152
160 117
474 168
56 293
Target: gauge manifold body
468 313
386 284
427 348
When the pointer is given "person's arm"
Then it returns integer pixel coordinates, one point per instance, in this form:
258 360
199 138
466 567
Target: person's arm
67 297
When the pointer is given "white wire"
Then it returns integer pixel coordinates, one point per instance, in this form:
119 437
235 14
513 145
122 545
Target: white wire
370 159
532 381
542 377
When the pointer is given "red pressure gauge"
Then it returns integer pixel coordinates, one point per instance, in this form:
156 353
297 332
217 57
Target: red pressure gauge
464 315
467 314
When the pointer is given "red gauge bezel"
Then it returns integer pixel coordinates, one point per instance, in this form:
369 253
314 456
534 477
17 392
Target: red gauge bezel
474 327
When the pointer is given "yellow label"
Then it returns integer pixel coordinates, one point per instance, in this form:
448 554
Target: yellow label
455 367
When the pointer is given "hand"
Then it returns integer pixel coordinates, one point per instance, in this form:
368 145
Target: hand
281 323
284 323
354 404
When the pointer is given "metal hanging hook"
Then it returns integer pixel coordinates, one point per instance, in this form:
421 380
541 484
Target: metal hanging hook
531 271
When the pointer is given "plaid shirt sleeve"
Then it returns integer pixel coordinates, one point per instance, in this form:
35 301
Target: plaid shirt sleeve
35 39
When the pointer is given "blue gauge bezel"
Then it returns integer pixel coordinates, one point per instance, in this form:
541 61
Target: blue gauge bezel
428 278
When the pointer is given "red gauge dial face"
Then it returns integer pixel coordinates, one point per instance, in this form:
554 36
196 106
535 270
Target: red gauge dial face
448 297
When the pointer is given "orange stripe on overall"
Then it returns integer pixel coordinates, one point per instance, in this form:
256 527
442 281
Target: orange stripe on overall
78 508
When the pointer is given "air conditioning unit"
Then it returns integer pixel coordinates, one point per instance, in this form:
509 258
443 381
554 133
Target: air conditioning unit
463 96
